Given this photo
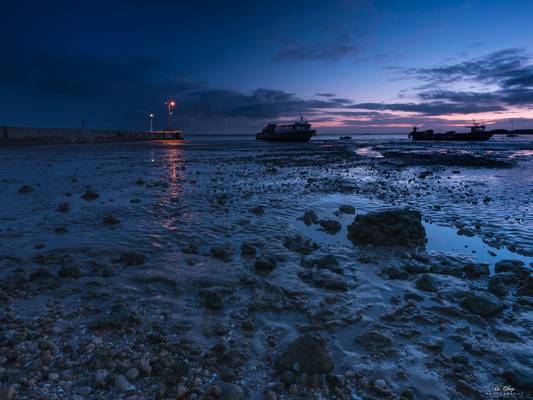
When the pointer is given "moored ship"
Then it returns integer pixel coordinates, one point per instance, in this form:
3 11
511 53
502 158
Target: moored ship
477 132
299 131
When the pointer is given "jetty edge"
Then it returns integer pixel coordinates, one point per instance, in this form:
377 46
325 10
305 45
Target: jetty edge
10 135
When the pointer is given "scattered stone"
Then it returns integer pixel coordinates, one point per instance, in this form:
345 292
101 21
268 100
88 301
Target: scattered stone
90 195
248 249
330 226
475 270
300 244
212 299
122 384
396 273
25 189
374 340
69 271
329 280
131 259
346 209
425 174
258 210
307 354
39 274
484 304
230 391
224 252
110 220
182 390
132 374
380 385
63 207
426 282
396 227
515 266
265 264
309 218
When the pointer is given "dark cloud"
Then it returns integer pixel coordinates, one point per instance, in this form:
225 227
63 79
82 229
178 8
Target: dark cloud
326 51
325 94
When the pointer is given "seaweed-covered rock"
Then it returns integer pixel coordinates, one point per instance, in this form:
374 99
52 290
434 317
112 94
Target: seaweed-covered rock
346 209
307 354
90 195
329 280
396 227
309 217
425 282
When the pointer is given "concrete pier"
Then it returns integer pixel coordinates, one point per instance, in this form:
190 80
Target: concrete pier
20 135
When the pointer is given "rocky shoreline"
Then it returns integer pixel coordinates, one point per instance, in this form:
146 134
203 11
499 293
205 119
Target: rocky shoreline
217 276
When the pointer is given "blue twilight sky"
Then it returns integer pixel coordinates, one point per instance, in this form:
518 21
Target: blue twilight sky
348 65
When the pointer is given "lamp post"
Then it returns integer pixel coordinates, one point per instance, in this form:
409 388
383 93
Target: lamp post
151 122
170 104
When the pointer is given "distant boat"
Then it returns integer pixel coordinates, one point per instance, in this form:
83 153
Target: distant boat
299 131
477 132
345 137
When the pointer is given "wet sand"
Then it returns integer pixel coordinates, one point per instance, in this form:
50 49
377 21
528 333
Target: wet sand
184 270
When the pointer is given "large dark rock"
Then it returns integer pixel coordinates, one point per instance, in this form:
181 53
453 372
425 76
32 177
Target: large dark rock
396 227
307 354
484 304
330 226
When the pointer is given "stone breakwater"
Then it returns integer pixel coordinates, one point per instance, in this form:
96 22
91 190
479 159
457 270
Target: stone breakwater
21 135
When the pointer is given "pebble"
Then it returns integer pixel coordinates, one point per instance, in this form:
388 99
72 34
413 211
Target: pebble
132 374
122 384
380 384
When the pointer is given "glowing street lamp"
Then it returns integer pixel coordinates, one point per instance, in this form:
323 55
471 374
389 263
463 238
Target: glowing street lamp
151 122
170 104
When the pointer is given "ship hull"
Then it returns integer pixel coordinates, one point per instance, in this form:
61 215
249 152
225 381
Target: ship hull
451 137
285 137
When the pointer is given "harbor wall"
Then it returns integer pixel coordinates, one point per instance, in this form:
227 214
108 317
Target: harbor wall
22 135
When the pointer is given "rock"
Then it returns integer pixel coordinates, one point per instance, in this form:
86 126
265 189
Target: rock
484 304
380 385
85 390
227 374
426 282
330 226
329 280
61 230
425 174
475 270
8 393
396 273
90 195
110 220
230 391
309 218
265 264
224 252
515 266
131 259
396 227
346 209
307 354
300 244
53 376
132 374
63 207
520 377
69 272
120 316
212 299
39 274
122 384
25 189
258 210
374 340
500 284
100 377
191 248
248 249
182 390
336 380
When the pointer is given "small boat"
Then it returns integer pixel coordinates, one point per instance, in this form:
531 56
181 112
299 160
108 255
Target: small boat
345 137
477 132
299 131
